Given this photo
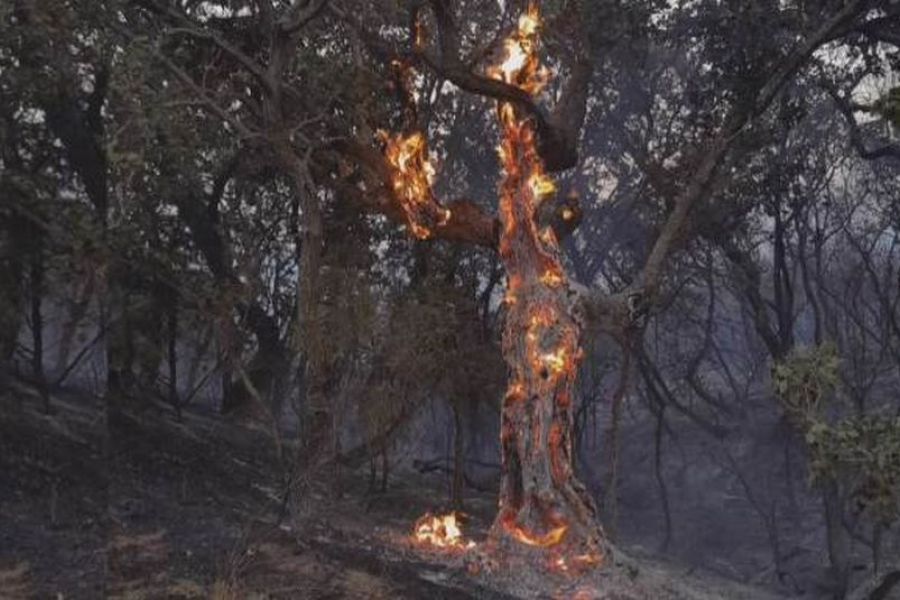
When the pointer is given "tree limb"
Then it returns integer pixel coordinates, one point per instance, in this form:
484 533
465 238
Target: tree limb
740 117
856 136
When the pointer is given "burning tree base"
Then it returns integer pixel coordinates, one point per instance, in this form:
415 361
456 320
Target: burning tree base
545 539
572 544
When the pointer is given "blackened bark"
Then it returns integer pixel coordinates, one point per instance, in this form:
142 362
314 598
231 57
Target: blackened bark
542 504
660 480
11 279
784 291
838 542
459 463
268 366
36 275
173 356
611 492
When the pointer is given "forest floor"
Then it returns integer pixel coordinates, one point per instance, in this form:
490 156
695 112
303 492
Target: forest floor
134 504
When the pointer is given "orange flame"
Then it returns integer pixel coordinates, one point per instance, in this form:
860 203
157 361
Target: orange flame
441 532
551 538
412 174
552 278
580 562
521 66
541 185
553 349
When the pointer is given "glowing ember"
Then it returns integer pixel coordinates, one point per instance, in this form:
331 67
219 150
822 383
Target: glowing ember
419 41
552 278
588 560
516 391
559 563
580 562
552 538
548 237
440 531
556 361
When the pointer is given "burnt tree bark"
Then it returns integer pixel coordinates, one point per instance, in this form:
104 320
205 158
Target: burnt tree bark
172 351
542 504
459 455
36 280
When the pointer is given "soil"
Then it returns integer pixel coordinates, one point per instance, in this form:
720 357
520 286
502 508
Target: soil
104 502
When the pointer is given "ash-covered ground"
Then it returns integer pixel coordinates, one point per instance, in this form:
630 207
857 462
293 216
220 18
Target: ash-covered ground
139 505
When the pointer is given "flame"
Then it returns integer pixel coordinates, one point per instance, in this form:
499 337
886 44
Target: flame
556 361
530 21
552 278
561 564
551 538
541 185
551 338
440 531
516 390
552 347
412 174
520 65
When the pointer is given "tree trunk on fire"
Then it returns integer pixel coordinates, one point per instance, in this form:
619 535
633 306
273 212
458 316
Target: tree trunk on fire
542 504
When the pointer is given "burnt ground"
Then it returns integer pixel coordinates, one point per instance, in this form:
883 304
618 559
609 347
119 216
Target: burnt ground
134 504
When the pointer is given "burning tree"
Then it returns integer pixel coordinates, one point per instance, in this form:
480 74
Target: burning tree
277 114
542 504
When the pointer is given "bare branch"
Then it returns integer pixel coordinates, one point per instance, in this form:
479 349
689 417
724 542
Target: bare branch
299 14
188 27
742 115
846 109
203 96
245 61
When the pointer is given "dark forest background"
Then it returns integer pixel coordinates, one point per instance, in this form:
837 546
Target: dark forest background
165 165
